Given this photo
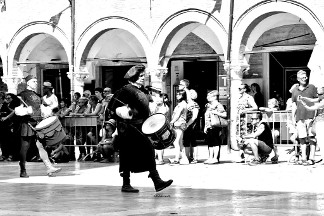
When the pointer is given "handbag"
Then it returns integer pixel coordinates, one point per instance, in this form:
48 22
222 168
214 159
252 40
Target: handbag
312 126
217 121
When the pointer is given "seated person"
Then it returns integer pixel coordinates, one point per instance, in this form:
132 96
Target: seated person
58 153
259 143
105 146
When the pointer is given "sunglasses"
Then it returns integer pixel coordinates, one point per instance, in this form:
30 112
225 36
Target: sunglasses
254 118
241 88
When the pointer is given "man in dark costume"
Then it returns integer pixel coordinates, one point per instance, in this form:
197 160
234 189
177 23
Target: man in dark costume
130 105
30 116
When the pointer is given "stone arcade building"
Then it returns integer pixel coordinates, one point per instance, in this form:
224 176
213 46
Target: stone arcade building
176 39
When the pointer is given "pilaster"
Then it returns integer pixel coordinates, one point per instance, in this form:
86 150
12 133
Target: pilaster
79 76
236 71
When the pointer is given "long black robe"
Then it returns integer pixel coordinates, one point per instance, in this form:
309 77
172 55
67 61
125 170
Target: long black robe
136 153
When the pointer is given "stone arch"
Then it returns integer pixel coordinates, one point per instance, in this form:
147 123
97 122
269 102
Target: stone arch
93 31
252 20
178 25
28 31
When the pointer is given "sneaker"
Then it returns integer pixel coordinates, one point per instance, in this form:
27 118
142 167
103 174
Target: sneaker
263 158
159 162
212 161
254 162
275 159
174 162
194 161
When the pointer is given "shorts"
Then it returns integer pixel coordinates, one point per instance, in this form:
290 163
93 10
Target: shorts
213 137
189 137
303 128
263 148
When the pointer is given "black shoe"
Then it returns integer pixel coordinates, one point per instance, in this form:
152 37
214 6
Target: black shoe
23 174
129 189
162 185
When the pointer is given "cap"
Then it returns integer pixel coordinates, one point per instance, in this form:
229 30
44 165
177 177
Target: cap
29 77
47 84
134 70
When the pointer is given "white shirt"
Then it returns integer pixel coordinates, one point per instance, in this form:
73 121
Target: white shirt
51 101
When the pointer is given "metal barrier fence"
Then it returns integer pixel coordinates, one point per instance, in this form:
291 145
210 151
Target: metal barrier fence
278 122
82 132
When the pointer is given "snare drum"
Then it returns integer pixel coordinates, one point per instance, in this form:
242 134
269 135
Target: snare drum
50 131
158 130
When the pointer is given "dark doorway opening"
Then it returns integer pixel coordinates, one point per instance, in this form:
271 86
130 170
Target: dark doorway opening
203 78
113 76
60 82
282 73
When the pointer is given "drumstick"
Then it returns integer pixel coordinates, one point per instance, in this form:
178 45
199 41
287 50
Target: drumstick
22 101
119 100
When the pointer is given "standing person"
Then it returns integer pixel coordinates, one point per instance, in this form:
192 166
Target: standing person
98 92
189 136
319 119
136 154
75 101
213 107
303 117
94 110
257 95
49 99
105 113
30 117
63 109
159 106
8 122
259 143
87 94
178 122
80 131
246 103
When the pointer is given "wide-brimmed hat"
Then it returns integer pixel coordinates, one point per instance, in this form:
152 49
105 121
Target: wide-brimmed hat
134 71
112 122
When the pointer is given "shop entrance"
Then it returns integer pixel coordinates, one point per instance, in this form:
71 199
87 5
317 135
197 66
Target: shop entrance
59 80
282 72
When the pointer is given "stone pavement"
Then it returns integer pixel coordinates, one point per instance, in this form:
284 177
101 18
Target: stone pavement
227 188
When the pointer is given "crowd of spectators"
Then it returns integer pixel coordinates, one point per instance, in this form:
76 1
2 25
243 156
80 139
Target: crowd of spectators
97 142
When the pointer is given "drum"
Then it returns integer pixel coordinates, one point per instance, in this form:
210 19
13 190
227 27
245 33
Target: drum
50 131
158 130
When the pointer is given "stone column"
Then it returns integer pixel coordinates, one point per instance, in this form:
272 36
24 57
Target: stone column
237 70
12 83
13 79
78 79
157 78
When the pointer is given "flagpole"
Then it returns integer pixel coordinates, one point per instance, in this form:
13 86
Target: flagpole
72 2
228 59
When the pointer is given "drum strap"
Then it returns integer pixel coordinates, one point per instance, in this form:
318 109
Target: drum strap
137 121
